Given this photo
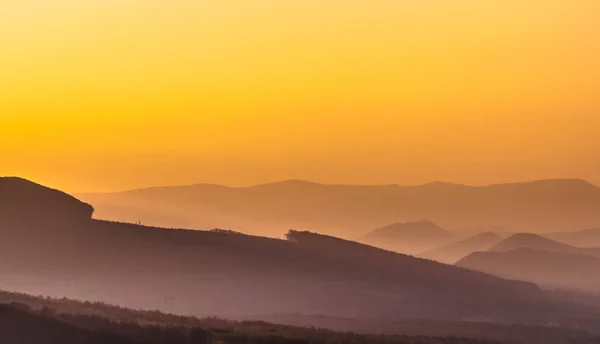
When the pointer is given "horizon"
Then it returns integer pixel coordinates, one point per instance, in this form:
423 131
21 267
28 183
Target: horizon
301 181
344 184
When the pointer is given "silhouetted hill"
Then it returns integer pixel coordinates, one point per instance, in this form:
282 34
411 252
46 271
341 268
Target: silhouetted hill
552 269
226 273
532 241
451 253
584 238
411 237
142 267
350 210
22 200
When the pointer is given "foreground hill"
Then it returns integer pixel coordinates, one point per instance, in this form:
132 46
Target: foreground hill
350 210
451 253
19 325
35 320
229 274
410 238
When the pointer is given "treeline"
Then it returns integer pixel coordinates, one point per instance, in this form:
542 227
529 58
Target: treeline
34 320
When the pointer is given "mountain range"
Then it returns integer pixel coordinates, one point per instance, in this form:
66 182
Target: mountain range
64 252
350 211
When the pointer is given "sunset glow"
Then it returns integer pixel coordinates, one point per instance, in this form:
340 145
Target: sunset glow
132 93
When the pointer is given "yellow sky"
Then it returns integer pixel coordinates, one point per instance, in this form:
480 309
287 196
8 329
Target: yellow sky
100 95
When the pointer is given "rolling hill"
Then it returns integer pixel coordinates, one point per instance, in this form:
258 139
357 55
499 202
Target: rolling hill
230 274
451 253
532 241
409 238
350 210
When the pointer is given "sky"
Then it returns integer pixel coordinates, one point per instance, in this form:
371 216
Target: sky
106 95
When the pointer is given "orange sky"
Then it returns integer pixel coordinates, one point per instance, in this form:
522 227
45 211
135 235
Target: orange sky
100 95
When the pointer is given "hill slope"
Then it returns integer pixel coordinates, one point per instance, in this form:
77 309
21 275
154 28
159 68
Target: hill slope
350 210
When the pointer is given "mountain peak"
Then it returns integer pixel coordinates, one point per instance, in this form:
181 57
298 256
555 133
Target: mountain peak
422 226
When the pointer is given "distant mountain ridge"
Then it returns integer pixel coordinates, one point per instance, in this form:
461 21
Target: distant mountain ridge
351 210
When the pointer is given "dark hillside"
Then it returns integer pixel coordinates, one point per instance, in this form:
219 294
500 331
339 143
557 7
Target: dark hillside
25 201
22 326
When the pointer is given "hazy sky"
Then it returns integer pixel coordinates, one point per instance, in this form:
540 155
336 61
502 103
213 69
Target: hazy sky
116 94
